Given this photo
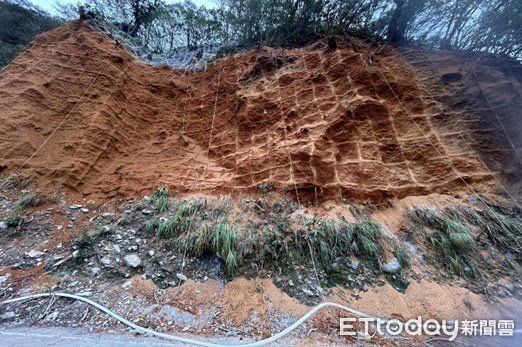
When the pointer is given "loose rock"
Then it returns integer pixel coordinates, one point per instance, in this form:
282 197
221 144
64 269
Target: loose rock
133 260
392 266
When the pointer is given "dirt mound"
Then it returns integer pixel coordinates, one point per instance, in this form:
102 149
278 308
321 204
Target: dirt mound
340 124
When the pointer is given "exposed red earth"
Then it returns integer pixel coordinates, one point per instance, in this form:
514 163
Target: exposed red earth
352 124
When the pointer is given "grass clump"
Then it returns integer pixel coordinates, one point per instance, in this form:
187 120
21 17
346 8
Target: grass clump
503 230
28 200
14 221
195 243
161 199
450 238
182 222
151 225
403 255
225 241
265 188
85 247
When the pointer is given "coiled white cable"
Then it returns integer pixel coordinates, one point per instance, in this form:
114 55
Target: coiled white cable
263 342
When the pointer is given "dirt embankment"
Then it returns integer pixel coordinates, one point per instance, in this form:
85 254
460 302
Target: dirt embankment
343 124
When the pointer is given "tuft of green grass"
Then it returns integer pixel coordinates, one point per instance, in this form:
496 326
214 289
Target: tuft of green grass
195 243
225 241
265 188
450 238
403 255
166 229
162 191
28 200
151 225
366 237
14 221
85 246
161 199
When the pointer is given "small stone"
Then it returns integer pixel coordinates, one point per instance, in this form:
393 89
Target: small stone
34 254
205 278
3 226
75 207
127 284
52 316
4 278
291 283
146 212
181 277
8 315
105 261
151 252
117 248
392 266
133 260
354 265
95 270
85 210
308 292
108 215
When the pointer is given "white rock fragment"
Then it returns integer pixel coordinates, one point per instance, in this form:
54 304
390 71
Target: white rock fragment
392 266
3 226
133 260
181 277
85 210
4 278
308 292
8 315
34 254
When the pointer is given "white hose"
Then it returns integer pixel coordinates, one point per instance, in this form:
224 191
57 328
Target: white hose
263 342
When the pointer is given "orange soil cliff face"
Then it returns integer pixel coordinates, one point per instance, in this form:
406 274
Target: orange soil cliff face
340 124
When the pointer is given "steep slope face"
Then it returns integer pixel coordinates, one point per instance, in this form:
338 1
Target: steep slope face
343 124
478 95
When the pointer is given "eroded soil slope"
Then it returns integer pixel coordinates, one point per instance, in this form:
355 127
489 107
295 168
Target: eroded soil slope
344 124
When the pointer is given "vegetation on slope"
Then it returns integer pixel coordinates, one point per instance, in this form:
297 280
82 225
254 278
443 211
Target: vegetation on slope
20 24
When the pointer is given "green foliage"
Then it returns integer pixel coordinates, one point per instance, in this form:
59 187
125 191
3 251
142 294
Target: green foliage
161 199
19 26
14 221
265 188
28 200
451 239
85 247
225 241
151 225
202 226
401 252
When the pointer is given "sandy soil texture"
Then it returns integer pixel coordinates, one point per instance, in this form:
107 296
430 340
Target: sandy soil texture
343 124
